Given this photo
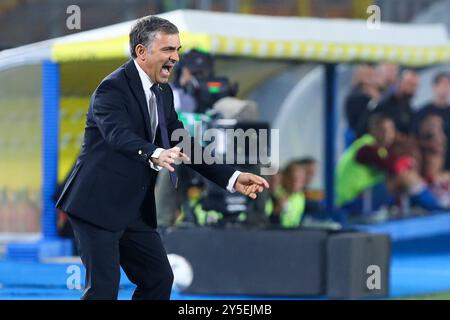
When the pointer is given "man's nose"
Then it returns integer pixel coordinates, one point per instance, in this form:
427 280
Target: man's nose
175 57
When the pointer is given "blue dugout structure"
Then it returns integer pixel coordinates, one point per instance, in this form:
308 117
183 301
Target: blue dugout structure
350 41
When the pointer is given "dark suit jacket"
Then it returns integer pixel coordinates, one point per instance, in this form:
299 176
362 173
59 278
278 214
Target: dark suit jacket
112 182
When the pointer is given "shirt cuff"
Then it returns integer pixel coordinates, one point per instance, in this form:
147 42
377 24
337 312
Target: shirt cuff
232 181
155 154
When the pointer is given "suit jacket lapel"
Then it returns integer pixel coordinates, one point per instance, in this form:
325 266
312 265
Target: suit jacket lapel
138 92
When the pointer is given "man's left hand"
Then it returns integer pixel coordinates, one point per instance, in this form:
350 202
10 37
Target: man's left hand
250 184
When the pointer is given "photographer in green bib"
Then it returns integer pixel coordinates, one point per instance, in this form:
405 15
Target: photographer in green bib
286 205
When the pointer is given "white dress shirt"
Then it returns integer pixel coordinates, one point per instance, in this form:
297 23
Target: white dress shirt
146 85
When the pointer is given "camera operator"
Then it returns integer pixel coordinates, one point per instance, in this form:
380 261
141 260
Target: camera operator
194 67
193 77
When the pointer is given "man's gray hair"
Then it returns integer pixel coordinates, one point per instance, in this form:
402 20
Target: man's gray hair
145 29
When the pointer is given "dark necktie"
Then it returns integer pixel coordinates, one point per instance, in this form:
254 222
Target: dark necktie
163 128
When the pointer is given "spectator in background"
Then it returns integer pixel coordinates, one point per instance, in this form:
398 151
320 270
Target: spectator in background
276 183
313 197
397 105
192 211
440 106
371 160
310 166
433 144
286 207
275 191
314 214
388 73
363 97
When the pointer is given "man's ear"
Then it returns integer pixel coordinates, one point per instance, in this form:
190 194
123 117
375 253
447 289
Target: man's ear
140 51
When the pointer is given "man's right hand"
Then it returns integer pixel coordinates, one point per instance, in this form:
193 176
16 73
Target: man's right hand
168 157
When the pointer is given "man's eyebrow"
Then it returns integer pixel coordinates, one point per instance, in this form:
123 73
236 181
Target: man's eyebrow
171 48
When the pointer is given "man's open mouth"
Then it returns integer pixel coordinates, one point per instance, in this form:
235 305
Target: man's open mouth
167 68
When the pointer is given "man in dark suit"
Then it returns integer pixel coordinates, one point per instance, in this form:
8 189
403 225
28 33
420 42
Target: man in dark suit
109 195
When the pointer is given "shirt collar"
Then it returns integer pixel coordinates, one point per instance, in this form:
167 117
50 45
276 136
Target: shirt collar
145 79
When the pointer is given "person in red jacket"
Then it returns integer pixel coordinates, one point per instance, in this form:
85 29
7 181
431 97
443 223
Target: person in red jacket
397 157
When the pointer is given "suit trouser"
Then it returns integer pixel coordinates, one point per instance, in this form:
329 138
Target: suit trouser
138 250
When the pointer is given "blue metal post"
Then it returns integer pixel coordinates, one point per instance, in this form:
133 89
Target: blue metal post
50 130
51 245
330 134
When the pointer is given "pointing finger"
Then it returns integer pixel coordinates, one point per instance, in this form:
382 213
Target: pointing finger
185 156
258 180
